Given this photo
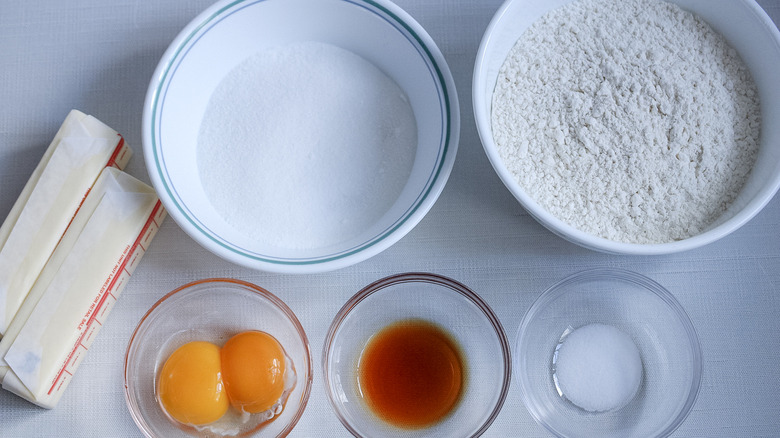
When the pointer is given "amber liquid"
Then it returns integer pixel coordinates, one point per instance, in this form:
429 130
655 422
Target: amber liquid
411 374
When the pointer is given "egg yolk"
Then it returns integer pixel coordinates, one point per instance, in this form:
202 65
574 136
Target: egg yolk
191 387
253 371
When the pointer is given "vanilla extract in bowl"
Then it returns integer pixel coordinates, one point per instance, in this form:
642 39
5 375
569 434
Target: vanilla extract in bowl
416 354
411 374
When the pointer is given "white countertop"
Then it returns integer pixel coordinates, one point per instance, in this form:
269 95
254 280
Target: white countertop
98 56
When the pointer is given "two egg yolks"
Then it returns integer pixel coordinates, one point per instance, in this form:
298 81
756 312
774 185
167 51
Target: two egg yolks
199 381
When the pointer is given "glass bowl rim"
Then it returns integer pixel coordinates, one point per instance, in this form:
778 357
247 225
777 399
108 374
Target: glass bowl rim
433 279
246 286
555 291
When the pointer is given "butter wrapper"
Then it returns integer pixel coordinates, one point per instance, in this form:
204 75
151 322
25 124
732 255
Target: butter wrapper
52 331
81 149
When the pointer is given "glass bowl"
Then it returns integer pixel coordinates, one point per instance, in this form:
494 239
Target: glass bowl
443 302
637 306
211 310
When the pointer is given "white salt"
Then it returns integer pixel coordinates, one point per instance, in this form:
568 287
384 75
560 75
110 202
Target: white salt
598 368
305 145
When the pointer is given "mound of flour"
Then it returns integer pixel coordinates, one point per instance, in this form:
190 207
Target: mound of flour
631 120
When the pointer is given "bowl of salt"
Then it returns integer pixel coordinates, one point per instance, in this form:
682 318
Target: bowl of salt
300 136
608 353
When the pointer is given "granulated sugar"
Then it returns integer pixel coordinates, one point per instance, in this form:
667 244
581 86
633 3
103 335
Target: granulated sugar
631 120
305 145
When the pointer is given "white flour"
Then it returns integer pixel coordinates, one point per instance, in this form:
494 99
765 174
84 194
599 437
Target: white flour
631 120
305 146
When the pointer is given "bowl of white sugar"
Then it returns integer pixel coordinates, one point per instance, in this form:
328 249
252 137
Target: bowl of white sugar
632 127
608 353
300 136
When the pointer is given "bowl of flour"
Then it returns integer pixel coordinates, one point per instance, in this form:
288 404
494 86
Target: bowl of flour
632 127
300 136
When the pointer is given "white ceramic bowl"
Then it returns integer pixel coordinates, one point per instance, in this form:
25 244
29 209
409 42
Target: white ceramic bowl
746 27
231 31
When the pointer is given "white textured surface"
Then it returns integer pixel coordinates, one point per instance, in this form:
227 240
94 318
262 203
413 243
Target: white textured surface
98 56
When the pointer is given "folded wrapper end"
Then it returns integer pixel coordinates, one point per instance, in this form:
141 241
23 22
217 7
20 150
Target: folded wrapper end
12 384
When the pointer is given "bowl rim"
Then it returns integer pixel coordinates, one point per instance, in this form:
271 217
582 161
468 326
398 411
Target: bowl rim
622 275
448 146
418 277
246 286
564 230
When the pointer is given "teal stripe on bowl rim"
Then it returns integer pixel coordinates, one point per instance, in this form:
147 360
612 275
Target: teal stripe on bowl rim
158 102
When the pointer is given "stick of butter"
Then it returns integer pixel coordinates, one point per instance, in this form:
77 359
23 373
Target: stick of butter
53 329
81 149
